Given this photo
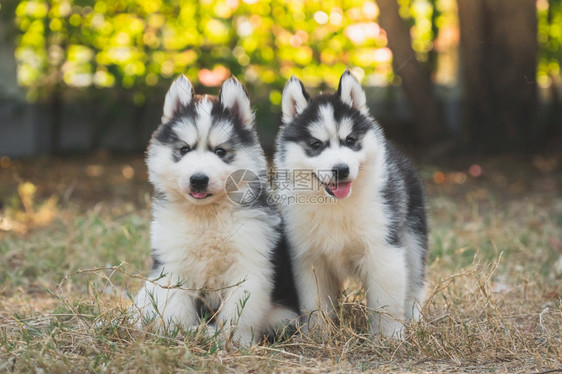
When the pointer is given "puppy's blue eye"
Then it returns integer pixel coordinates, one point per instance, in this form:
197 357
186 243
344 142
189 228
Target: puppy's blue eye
350 140
316 144
184 149
221 152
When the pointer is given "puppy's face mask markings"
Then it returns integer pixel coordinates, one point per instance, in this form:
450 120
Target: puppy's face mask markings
200 141
326 134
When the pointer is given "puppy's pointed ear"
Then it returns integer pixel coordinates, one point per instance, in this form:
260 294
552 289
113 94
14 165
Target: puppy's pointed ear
294 101
234 97
179 95
351 92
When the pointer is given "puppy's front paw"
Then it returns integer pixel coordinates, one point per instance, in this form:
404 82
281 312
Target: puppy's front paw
211 330
244 338
387 326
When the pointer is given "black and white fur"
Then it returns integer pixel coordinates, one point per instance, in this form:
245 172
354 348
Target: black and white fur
226 257
374 227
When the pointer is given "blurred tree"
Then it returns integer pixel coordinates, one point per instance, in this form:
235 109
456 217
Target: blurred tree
499 64
550 57
8 65
130 48
415 78
136 43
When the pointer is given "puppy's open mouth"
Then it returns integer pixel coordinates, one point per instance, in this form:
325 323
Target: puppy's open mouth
339 189
200 195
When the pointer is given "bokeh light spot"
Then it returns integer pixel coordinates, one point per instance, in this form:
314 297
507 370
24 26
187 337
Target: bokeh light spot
475 170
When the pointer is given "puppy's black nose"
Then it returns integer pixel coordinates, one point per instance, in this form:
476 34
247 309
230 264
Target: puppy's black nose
340 171
199 181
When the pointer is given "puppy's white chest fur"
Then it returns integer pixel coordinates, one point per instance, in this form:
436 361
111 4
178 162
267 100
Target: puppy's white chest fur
203 248
346 228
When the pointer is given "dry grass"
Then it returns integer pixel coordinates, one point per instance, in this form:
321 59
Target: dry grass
494 295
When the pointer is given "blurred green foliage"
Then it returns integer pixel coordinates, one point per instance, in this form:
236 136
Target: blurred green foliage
550 41
139 44
136 44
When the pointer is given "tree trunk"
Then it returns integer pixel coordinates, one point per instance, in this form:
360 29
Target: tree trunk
9 87
415 79
499 52
56 118
478 103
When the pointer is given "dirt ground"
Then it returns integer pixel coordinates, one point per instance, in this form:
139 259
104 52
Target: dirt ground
74 247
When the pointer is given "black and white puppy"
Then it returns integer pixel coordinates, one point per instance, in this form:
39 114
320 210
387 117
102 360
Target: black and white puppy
364 215
217 244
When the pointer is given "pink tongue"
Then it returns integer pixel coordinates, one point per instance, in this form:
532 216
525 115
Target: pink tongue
341 190
199 195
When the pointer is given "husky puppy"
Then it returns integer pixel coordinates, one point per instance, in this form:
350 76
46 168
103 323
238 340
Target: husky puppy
216 243
364 215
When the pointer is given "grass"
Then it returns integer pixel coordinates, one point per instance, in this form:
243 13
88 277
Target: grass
67 270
